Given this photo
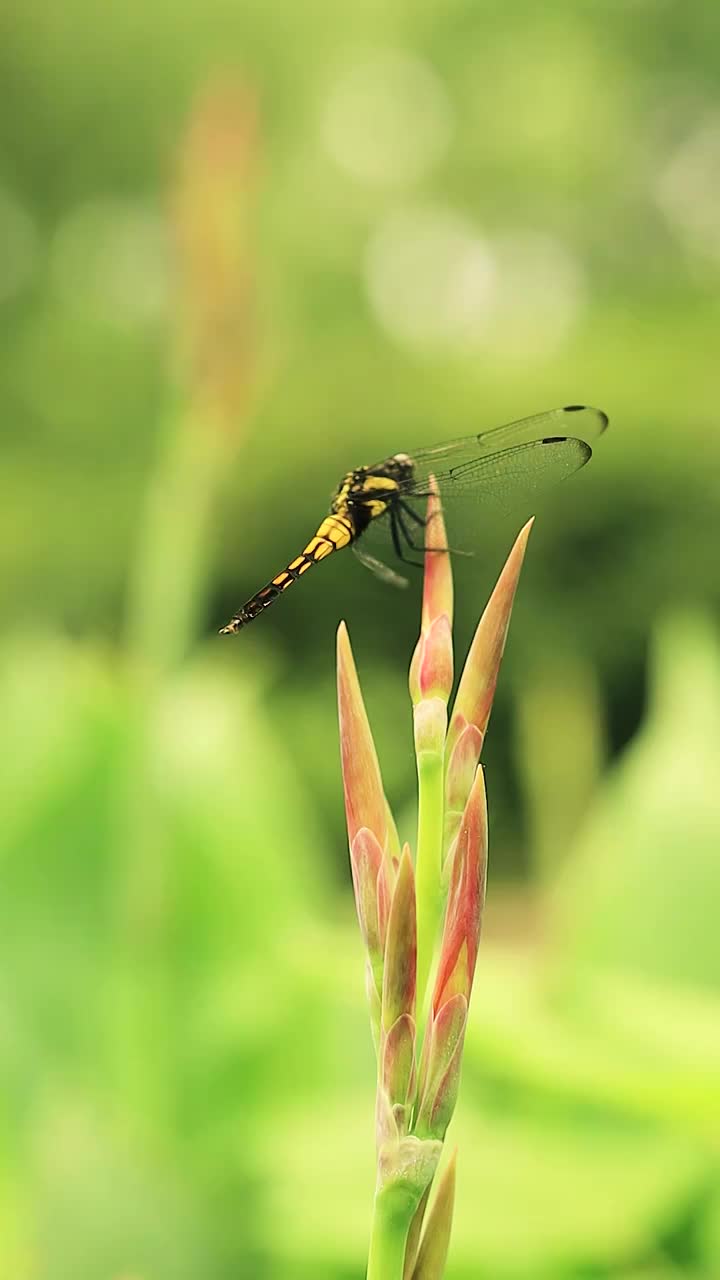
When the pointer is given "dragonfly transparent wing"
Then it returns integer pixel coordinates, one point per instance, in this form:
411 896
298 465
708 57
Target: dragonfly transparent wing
457 463
381 570
486 477
510 479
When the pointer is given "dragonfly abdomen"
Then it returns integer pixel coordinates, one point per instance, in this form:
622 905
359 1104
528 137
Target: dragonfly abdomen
335 532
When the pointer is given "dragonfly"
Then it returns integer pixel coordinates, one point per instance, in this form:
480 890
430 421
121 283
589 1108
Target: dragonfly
500 468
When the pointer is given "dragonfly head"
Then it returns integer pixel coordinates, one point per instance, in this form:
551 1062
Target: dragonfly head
400 466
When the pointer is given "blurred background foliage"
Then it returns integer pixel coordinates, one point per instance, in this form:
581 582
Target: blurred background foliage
243 248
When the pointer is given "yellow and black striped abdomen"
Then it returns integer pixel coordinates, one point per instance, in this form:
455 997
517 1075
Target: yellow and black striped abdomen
336 531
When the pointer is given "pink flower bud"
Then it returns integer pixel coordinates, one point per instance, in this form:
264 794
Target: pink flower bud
371 894
437 582
399 974
431 669
461 933
431 672
398 1061
459 779
440 1076
365 804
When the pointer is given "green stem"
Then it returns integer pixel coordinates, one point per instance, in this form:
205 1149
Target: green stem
167 597
392 1215
429 864
170 582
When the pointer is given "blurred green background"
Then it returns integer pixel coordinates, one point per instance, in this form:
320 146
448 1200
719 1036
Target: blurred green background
243 248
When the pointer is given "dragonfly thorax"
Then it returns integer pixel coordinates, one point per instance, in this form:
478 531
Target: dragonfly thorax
367 492
399 468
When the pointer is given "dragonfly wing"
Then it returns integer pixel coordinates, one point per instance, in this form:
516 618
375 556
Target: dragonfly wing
493 474
381 571
513 477
577 421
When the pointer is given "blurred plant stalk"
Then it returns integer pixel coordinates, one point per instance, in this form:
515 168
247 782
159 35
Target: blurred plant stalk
212 380
213 366
420 918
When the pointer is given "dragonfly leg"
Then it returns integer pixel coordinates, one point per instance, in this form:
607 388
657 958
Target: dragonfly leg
408 539
439 550
456 551
396 528
405 506
425 524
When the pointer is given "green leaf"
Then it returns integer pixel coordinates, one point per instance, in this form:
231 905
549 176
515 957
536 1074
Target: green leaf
433 1251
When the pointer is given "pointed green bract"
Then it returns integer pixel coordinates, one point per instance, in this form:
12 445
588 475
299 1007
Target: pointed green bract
460 774
437 579
430 720
399 1059
393 839
365 804
371 897
466 895
366 860
374 1003
400 949
398 1066
431 669
433 1252
413 1239
474 698
440 1072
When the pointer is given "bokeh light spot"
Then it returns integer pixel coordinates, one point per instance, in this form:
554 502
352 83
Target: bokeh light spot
434 280
688 189
540 296
388 118
430 276
111 257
